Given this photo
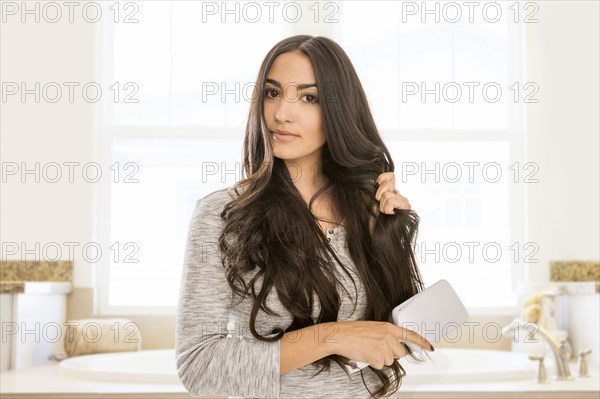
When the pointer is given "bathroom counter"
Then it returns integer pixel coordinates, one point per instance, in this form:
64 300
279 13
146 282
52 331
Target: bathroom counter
44 381
35 287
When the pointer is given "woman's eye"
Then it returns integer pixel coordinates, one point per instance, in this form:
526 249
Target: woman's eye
268 92
272 93
312 99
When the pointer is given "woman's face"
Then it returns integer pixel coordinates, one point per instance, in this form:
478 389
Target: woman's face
290 107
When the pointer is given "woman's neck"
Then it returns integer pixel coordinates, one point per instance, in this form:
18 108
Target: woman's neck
307 177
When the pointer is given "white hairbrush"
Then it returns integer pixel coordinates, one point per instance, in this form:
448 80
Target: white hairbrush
431 313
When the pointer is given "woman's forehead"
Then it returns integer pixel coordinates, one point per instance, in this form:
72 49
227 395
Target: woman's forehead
292 68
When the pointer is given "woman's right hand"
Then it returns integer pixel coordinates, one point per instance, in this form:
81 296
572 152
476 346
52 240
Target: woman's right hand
373 342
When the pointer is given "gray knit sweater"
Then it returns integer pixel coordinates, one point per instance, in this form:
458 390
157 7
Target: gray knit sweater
215 352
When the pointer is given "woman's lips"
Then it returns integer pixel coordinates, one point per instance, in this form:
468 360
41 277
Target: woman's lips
284 137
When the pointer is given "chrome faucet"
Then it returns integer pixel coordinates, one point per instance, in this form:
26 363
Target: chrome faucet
562 365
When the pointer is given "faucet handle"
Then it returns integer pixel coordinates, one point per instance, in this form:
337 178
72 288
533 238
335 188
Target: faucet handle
565 349
542 377
583 368
585 352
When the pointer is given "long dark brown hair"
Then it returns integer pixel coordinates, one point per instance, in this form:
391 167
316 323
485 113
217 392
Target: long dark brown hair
276 235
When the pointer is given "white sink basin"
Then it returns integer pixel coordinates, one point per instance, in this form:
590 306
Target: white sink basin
145 366
471 365
445 366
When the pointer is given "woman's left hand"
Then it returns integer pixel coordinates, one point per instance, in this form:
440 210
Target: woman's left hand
389 198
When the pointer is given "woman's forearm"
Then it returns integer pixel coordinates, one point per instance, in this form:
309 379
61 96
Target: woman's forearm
306 345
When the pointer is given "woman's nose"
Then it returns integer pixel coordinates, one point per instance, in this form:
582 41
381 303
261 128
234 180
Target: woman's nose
285 109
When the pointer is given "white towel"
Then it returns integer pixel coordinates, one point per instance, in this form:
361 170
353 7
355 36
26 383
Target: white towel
88 336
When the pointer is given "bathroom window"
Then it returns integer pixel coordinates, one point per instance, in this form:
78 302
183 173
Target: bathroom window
183 136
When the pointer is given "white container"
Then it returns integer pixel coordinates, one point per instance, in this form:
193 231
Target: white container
584 325
33 326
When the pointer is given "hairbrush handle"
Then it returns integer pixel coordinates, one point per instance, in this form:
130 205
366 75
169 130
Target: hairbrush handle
361 365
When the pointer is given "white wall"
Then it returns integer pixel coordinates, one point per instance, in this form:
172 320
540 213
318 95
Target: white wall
45 132
563 133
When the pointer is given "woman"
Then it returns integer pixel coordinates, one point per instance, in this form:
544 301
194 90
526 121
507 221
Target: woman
300 264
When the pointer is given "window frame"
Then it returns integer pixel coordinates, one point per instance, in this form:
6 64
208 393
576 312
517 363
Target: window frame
103 136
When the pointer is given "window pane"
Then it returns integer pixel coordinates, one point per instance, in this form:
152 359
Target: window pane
189 72
140 56
154 213
464 206
430 75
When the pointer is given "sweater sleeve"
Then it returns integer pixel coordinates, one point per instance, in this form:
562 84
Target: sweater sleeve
209 360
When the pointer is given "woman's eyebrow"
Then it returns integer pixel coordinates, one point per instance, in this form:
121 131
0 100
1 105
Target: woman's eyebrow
300 86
